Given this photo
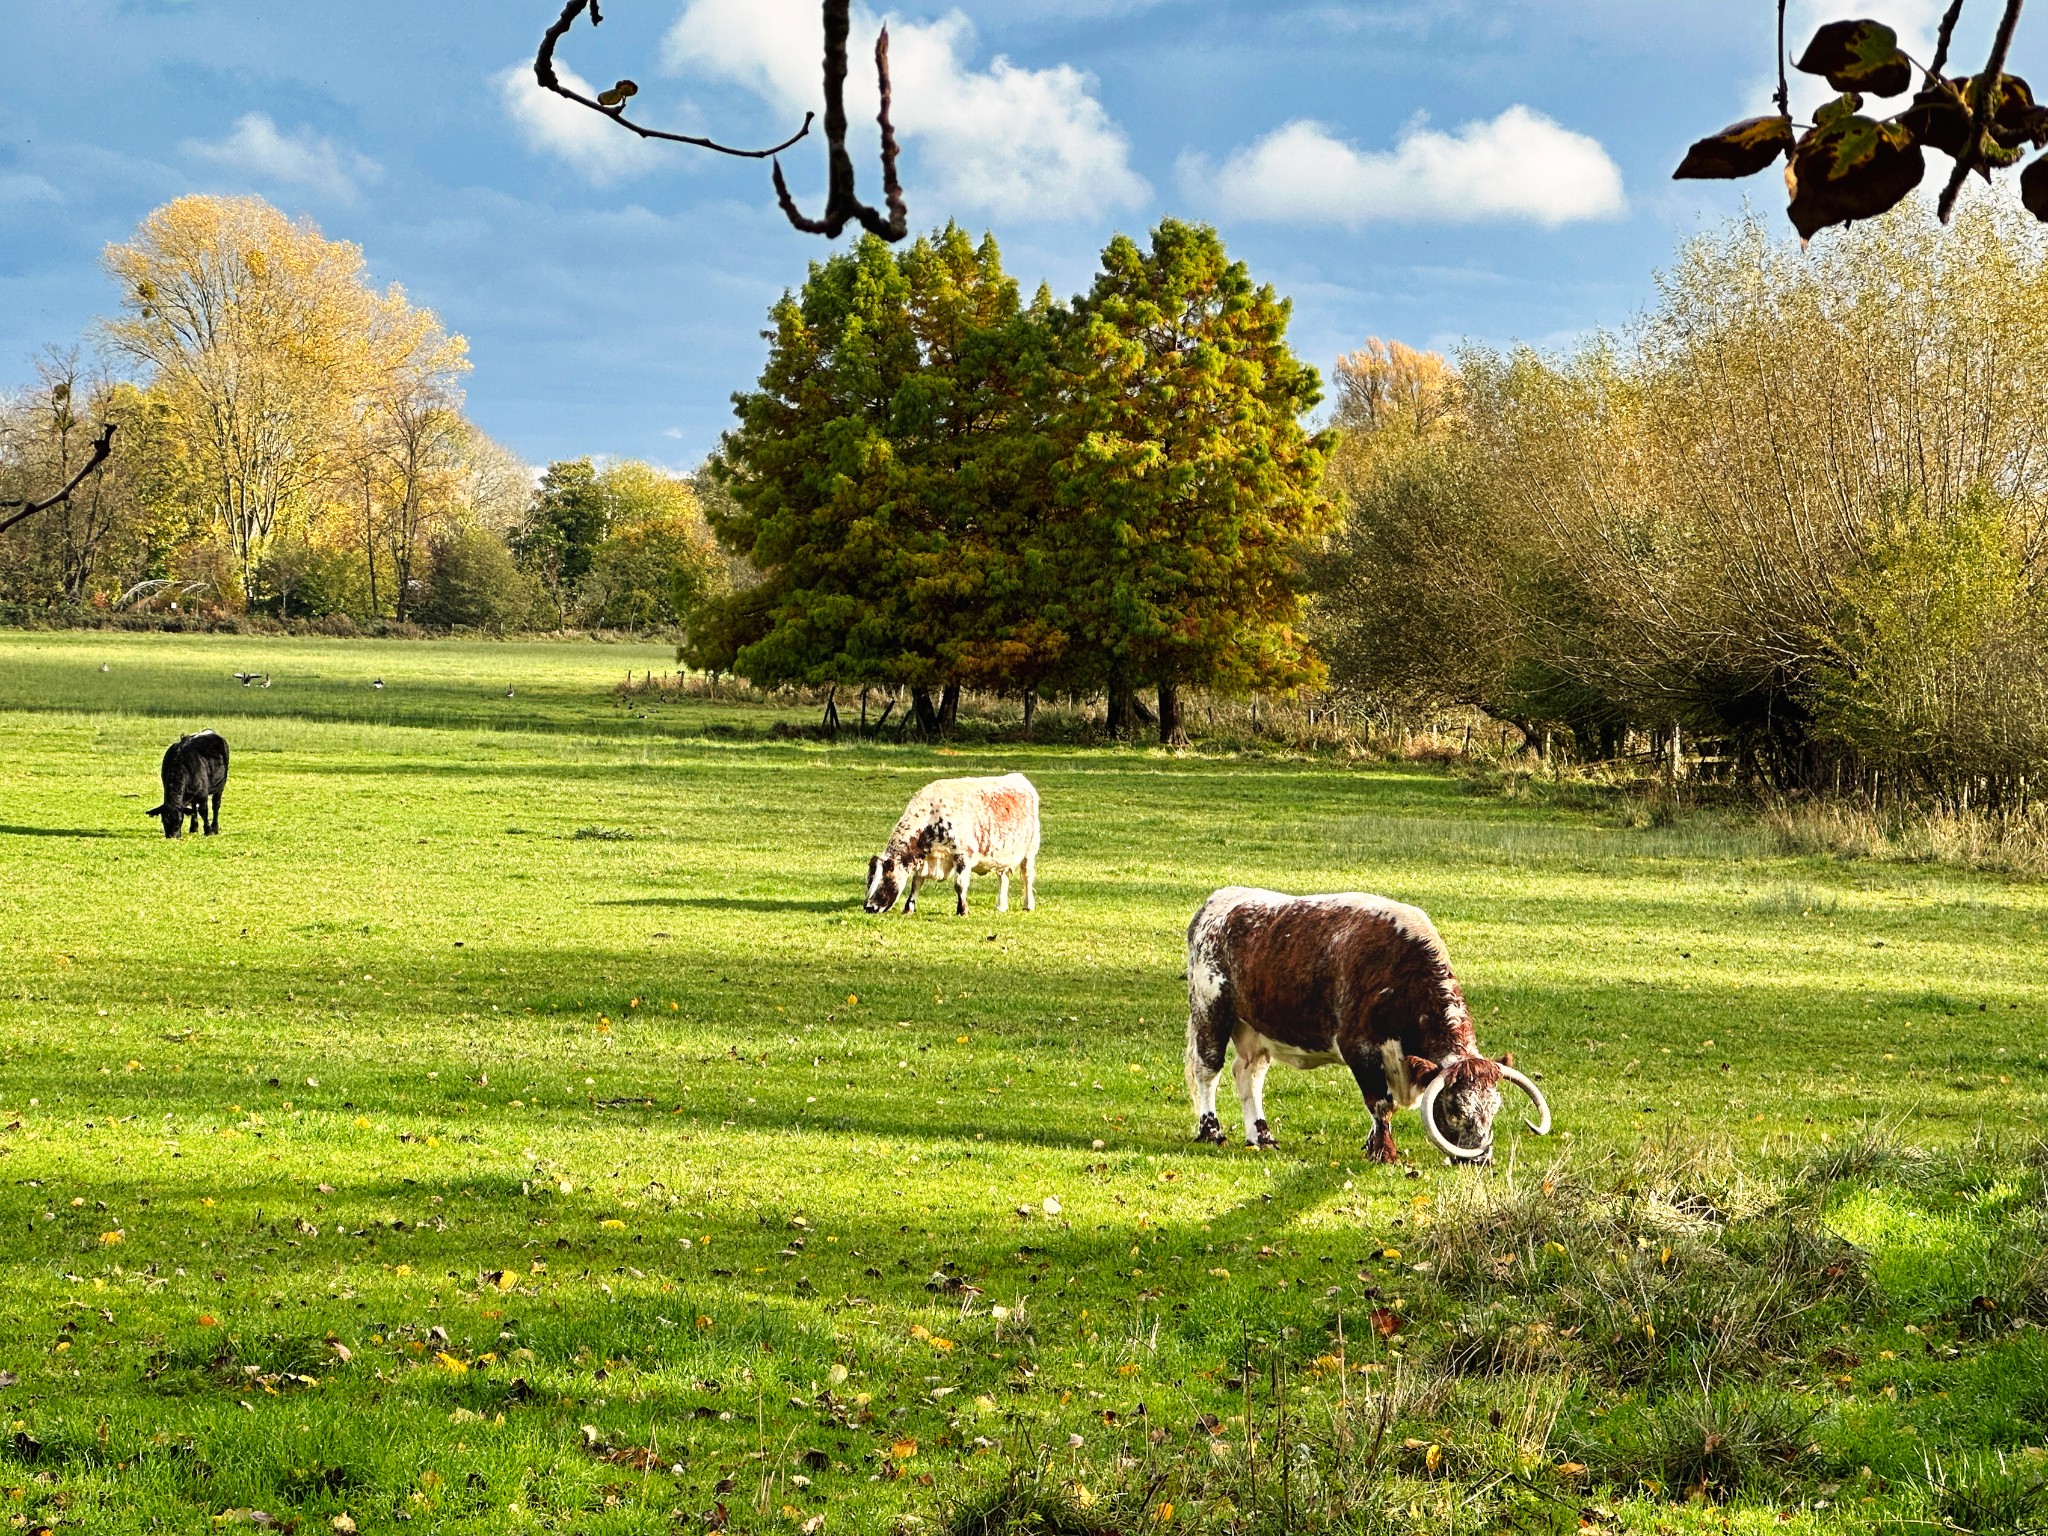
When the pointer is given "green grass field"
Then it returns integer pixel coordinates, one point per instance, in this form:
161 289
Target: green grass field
512 1123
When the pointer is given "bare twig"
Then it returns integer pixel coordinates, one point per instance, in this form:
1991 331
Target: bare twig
26 509
1784 86
544 72
842 204
1988 91
1942 38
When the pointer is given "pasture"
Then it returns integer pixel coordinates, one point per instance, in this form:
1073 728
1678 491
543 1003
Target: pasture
515 1065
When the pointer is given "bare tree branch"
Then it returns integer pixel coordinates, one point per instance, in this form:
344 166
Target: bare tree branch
544 72
101 447
1942 38
1784 87
842 203
1989 89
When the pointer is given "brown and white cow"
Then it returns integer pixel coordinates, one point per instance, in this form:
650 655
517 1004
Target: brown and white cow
1309 981
955 829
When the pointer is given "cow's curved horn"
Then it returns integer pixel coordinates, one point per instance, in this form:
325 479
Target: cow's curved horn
1426 1107
1540 1126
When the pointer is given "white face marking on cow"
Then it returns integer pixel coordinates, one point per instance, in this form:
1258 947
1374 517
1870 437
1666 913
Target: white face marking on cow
882 884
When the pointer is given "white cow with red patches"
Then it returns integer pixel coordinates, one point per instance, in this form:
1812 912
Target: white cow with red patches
955 829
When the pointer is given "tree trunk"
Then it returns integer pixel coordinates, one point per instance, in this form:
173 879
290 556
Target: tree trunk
831 721
1118 719
921 711
1030 709
949 709
1173 730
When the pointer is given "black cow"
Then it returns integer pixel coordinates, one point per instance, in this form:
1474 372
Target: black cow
195 774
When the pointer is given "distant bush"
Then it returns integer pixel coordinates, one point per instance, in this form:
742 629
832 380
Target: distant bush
476 585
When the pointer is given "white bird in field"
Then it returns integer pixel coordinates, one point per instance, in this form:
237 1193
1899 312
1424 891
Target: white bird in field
377 682
103 666
266 679
508 693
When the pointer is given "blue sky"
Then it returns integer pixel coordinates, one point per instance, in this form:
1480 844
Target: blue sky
1427 170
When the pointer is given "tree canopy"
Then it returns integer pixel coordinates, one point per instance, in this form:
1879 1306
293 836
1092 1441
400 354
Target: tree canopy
941 485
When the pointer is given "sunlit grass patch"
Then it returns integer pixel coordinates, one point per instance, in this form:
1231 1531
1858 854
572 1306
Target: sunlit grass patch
565 1054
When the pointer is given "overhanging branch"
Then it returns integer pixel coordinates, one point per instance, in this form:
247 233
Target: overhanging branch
842 201
101 447
544 72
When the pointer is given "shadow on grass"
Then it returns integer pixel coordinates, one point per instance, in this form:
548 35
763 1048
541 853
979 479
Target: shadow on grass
54 832
736 903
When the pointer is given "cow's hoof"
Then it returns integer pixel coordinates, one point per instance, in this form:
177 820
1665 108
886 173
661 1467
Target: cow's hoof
1265 1137
1209 1131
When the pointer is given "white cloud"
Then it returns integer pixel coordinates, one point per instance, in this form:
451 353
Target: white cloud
28 189
553 125
1019 143
1521 165
256 149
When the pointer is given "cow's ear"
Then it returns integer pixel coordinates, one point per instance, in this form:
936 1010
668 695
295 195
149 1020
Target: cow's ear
1421 1070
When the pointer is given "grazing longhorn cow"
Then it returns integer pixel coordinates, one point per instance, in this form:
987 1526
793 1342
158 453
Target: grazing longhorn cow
956 829
195 774
1313 980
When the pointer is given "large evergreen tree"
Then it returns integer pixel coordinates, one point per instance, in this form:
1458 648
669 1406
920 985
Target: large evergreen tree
869 469
940 487
1186 487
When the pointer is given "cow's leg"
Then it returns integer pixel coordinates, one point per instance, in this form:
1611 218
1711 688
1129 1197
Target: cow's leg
1003 892
1368 1066
1208 1039
962 878
910 895
1248 1065
1379 1147
1031 884
213 822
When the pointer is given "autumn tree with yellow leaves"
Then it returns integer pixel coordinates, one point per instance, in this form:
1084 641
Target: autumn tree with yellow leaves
304 405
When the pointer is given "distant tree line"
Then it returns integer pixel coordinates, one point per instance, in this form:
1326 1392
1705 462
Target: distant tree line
292 442
1799 514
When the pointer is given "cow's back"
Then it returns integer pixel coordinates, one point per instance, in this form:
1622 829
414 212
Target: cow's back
1003 815
1308 970
988 820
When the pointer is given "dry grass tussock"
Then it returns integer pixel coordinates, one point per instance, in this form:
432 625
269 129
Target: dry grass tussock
2012 843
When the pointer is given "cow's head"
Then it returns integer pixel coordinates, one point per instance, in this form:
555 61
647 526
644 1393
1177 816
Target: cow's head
1460 1100
885 882
174 821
